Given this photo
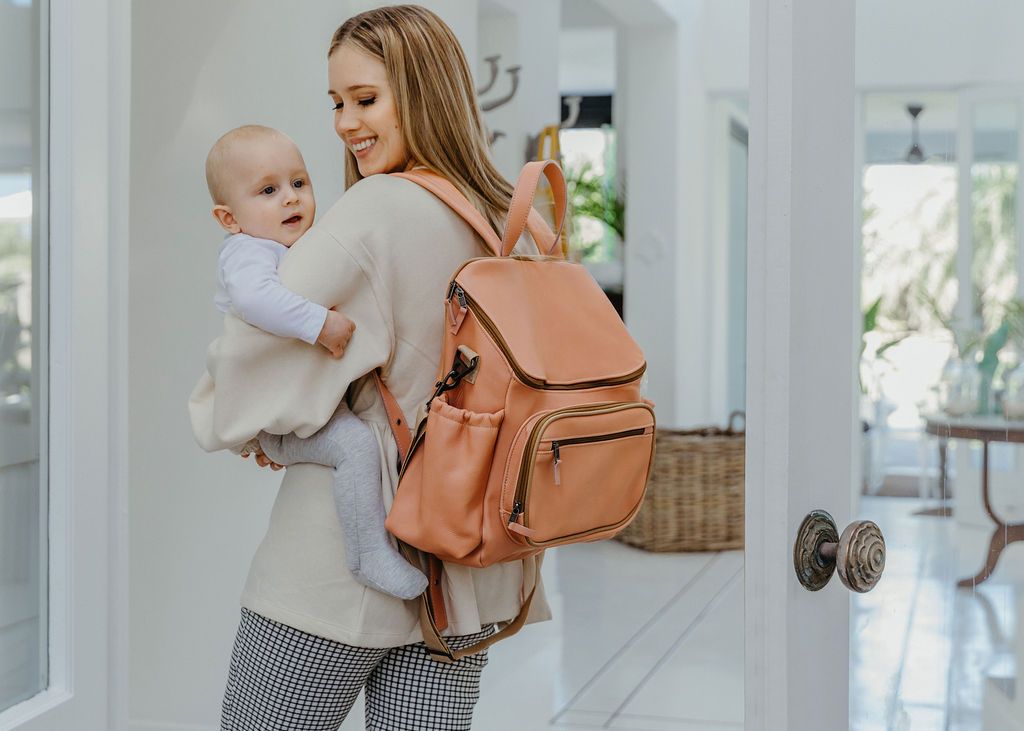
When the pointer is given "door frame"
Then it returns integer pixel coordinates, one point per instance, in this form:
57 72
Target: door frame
802 332
86 462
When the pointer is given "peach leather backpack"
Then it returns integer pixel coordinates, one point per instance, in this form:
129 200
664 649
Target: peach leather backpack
536 434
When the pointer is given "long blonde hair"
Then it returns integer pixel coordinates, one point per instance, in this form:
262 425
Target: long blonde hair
437 106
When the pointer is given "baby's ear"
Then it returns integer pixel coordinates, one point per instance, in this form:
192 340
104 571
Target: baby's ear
226 219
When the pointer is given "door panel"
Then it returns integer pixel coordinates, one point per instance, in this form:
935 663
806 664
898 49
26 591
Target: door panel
800 349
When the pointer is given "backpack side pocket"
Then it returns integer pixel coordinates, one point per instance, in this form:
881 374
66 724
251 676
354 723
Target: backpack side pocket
457 451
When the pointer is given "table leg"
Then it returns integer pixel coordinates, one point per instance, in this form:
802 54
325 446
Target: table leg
943 452
1002 536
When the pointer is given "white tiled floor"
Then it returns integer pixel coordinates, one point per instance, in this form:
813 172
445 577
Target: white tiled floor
639 641
652 642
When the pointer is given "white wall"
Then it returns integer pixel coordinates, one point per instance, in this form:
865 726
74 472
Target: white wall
947 43
668 50
526 35
585 65
196 518
200 68
649 151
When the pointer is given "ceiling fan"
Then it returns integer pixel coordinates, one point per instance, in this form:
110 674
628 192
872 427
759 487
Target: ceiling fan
915 154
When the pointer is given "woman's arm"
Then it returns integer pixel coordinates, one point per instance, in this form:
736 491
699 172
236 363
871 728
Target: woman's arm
256 381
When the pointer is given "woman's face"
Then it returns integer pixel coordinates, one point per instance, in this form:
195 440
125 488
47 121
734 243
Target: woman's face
365 115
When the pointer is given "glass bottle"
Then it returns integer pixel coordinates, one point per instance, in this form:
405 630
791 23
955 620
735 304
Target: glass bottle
959 386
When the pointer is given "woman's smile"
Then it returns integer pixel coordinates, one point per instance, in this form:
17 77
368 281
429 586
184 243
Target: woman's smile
362 148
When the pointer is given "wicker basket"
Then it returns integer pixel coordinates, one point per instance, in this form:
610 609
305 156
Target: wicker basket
694 499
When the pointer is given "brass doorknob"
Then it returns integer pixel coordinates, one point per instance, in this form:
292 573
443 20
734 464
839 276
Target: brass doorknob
859 553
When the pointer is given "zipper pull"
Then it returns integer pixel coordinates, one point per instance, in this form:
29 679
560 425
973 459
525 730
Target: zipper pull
451 291
517 510
557 459
460 294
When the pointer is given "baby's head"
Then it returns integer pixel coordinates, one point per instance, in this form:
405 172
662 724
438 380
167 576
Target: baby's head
259 184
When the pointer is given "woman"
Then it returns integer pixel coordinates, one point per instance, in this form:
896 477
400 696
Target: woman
310 637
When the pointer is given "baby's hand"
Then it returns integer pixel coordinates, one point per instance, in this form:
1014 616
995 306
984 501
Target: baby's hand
336 333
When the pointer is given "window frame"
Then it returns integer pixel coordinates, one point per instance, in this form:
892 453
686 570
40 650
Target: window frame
87 116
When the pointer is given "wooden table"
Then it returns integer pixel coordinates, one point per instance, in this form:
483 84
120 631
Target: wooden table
984 429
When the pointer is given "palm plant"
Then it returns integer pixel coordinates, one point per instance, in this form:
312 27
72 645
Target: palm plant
591 196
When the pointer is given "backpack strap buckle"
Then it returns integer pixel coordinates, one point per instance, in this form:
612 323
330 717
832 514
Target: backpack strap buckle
463 367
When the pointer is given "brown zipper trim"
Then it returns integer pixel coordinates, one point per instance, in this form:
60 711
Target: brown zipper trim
599 437
516 258
529 459
525 377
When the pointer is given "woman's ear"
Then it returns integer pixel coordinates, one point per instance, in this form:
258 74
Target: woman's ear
226 219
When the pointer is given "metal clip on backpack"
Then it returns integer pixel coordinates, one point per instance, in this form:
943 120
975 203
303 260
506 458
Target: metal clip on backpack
536 435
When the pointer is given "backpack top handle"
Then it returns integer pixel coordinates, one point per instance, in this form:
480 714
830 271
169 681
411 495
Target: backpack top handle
522 203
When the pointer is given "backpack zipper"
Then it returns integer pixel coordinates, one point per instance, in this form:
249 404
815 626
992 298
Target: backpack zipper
488 325
556 446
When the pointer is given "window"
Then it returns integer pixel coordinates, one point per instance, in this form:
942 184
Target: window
23 558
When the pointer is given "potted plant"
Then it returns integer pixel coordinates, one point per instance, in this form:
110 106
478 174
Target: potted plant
593 198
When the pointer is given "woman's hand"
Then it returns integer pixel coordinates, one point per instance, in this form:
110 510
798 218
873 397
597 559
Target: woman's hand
264 461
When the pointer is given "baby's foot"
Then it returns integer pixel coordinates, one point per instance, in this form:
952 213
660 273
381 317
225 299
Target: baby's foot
386 571
273 445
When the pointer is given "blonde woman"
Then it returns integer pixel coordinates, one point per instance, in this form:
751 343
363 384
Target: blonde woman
310 636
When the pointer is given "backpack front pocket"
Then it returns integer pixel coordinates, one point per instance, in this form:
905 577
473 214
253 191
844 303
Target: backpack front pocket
458 447
578 473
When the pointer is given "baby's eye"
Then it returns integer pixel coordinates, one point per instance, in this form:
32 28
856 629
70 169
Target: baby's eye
269 190
299 183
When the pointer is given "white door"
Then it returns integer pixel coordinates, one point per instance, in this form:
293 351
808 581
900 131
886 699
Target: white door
62 145
917 651
800 354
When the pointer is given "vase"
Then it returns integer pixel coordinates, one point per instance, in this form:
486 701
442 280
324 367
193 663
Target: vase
1013 395
960 386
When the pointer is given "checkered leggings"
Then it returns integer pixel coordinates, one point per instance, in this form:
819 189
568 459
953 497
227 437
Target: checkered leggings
284 679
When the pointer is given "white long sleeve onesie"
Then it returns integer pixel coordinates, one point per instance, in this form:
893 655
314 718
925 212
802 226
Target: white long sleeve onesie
248 285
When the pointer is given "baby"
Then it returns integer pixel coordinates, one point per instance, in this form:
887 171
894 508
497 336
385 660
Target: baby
263 199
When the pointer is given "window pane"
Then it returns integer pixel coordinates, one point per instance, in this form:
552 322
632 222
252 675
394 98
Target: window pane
909 282
22 496
993 211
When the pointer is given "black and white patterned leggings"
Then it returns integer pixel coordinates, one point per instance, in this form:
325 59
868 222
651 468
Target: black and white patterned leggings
287 680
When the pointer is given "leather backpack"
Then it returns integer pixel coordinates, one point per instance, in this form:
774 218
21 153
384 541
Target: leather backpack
536 434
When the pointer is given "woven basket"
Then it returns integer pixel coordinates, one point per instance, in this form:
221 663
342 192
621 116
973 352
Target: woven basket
694 499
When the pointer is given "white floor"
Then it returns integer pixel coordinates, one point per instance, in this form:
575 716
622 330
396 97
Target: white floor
652 642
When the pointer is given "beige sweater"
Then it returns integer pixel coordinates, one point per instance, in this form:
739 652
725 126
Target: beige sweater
383 255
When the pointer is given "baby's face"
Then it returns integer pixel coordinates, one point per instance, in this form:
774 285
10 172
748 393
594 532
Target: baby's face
268 192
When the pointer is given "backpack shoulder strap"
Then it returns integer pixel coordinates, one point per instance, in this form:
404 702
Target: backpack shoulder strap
443 189
432 600
455 200
441 652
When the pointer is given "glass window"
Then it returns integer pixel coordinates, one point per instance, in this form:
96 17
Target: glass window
23 612
909 286
993 211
